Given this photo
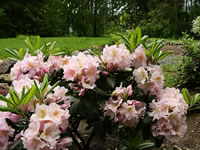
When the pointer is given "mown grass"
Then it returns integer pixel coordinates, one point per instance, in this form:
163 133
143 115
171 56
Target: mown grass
67 43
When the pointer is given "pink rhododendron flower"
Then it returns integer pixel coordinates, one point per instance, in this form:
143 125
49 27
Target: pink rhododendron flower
45 128
141 75
58 95
116 57
149 79
5 130
111 108
169 113
24 82
119 109
30 66
130 112
54 63
139 57
82 68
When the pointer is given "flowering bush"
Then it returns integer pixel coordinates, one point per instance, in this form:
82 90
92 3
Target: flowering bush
113 91
196 25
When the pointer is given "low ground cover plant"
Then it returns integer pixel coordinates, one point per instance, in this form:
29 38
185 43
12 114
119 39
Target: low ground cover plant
115 90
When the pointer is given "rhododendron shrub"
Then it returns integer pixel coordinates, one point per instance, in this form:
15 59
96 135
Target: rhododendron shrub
116 90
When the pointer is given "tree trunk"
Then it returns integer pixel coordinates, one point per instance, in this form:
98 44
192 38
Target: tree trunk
95 19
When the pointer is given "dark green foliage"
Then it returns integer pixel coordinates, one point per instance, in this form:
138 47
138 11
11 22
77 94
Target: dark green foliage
190 68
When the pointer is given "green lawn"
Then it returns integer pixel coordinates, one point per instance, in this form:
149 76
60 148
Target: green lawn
70 43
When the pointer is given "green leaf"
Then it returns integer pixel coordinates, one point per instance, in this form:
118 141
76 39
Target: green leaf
4 99
139 35
29 95
12 52
15 145
163 55
51 89
126 42
196 99
186 96
37 91
100 92
37 45
44 84
146 145
111 81
29 44
52 46
13 96
7 109
21 53
74 108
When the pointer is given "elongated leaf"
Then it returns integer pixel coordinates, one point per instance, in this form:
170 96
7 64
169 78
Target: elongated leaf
44 84
4 99
37 45
101 92
111 81
37 91
15 145
12 59
163 55
51 89
7 109
126 42
52 46
14 98
186 95
74 108
29 95
146 145
144 45
29 44
196 99
21 53
132 44
12 52
139 35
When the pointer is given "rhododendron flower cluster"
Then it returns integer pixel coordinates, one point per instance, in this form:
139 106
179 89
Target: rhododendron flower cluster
5 130
45 128
83 69
149 79
35 67
116 57
139 57
169 111
118 108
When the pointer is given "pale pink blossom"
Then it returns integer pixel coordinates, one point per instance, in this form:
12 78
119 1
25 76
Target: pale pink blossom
54 63
63 143
5 130
130 112
140 75
82 68
116 57
24 82
150 79
32 67
111 108
139 57
120 109
169 113
45 128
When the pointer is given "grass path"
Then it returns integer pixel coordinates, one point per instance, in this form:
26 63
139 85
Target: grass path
70 43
